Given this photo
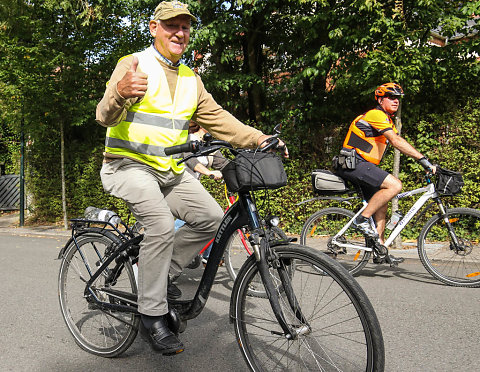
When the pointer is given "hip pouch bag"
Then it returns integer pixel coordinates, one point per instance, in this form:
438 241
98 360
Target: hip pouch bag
346 160
250 171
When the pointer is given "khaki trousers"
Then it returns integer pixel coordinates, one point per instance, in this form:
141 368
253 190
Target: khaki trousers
155 198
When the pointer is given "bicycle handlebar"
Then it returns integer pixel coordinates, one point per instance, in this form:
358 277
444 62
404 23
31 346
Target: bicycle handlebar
191 146
209 145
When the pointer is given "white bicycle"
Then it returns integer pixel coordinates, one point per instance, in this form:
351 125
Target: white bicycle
448 244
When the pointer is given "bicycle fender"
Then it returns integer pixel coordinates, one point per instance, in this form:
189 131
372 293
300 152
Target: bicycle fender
62 251
72 239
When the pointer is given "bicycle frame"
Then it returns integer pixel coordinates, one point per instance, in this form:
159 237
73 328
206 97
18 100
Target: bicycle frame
231 199
240 214
428 191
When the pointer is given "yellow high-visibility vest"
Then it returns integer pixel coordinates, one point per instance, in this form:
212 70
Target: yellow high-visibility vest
156 122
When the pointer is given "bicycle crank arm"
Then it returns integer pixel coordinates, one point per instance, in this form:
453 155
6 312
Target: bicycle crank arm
353 246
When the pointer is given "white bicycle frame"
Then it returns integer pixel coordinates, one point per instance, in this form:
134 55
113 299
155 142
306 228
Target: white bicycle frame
428 191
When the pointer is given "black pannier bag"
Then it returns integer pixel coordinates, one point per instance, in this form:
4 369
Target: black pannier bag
448 182
250 171
326 183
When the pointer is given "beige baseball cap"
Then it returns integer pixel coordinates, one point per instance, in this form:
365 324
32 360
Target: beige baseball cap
170 9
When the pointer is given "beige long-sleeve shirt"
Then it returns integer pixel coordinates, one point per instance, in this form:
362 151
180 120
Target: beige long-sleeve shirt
112 109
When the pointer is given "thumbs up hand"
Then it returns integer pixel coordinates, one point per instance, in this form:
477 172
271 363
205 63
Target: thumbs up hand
133 84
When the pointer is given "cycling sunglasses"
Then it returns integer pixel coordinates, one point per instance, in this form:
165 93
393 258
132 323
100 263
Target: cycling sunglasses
393 97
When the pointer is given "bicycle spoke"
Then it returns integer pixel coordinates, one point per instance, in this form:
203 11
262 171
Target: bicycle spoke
99 331
319 231
454 262
333 337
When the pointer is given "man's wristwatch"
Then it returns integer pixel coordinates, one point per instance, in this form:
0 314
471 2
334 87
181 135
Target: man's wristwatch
425 163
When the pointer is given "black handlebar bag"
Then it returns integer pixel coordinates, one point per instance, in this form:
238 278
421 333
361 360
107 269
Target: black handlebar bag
448 182
251 171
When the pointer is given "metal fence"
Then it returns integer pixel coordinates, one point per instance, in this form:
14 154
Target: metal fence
9 192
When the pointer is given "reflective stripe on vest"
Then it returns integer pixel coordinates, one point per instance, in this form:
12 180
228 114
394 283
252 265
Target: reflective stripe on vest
366 140
156 122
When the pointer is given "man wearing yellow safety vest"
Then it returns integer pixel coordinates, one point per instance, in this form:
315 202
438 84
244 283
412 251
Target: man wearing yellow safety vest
368 135
149 101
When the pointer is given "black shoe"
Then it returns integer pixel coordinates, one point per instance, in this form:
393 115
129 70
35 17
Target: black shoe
173 291
161 338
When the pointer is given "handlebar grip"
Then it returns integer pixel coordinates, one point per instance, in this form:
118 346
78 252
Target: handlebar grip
273 142
185 147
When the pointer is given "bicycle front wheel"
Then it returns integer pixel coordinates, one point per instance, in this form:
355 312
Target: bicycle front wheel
102 332
456 264
323 225
339 330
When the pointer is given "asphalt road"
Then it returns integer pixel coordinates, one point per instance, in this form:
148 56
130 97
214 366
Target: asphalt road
426 326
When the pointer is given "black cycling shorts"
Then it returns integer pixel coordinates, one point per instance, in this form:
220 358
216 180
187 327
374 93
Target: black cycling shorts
366 175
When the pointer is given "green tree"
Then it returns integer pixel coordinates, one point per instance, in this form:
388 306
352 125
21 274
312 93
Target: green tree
58 56
315 64
311 65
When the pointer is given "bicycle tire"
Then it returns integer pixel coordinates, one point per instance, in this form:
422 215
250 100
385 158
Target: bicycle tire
342 332
236 254
321 226
460 268
101 332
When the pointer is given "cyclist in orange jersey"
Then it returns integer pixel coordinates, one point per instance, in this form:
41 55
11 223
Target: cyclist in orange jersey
369 135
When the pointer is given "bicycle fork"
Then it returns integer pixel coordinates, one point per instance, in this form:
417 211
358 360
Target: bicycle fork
448 224
263 256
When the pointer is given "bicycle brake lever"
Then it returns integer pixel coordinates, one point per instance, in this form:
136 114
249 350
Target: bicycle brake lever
272 142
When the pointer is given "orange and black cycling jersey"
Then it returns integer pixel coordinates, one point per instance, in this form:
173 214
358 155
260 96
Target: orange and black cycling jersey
365 134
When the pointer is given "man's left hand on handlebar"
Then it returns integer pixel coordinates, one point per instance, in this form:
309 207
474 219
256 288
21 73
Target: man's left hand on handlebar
262 142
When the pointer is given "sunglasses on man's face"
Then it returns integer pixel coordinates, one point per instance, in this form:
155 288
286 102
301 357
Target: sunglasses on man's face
393 98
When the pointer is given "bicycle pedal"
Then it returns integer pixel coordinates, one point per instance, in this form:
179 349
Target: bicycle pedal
331 254
393 261
221 263
379 260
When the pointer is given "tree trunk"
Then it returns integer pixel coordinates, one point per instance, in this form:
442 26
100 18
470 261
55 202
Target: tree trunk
254 64
62 167
396 171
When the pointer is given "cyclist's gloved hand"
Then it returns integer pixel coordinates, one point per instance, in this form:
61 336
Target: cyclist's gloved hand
425 163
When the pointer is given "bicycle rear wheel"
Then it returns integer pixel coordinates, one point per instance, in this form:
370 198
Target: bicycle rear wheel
321 226
341 331
238 250
102 332
453 265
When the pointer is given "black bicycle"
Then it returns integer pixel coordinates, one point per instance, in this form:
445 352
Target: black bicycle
315 315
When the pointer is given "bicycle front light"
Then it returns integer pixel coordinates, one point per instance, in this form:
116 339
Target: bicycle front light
272 220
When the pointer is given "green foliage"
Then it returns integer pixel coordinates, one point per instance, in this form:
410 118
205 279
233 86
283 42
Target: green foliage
311 65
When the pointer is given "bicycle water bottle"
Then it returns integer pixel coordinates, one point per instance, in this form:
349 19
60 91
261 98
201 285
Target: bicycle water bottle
93 213
394 220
